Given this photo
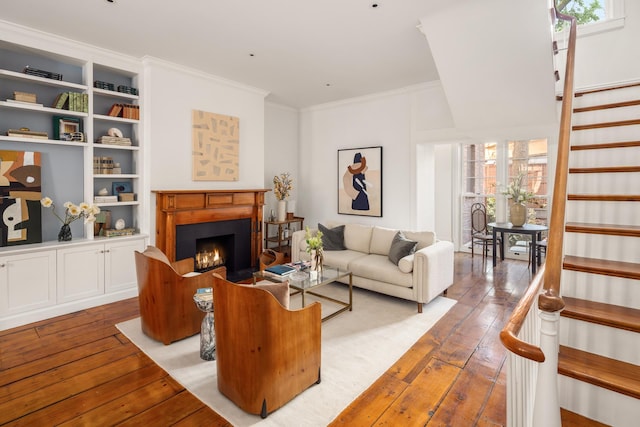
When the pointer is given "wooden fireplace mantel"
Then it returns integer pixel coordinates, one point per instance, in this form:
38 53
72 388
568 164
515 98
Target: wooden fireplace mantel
181 207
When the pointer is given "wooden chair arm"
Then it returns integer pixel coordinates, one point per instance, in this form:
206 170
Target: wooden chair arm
183 266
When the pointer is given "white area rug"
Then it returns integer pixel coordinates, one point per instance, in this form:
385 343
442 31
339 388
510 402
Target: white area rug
357 348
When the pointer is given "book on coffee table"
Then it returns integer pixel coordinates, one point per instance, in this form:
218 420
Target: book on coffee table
280 270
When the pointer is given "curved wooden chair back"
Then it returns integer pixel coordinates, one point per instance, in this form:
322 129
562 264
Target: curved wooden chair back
269 257
265 354
165 295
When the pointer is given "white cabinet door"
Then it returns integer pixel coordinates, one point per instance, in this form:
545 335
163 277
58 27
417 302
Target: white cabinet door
27 282
80 272
120 266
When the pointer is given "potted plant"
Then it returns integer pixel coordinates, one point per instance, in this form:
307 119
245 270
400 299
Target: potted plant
519 196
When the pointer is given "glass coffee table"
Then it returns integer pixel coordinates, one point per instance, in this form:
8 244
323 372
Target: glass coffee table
302 284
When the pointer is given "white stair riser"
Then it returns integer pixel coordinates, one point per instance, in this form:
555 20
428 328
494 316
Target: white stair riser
628 156
597 403
607 97
605 135
614 248
606 115
599 288
604 183
620 213
602 340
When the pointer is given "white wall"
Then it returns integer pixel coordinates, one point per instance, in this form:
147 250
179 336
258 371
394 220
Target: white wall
171 93
611 56
386 120
280 150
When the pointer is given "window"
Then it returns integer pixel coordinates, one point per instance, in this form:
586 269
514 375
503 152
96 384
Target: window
593 16
488 167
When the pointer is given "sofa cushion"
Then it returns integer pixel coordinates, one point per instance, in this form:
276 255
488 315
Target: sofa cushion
401 247
424 238
332 238
379 268
381 239
341 259
406 264
357 237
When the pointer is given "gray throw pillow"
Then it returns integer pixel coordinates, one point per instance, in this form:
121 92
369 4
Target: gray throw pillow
332 238
401 247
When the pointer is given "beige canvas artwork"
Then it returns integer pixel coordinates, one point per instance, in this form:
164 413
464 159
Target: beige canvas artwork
215 146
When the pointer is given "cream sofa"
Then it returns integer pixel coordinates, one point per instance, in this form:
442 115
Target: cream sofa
418 277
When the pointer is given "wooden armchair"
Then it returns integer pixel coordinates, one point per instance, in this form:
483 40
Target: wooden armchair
266 354
165 295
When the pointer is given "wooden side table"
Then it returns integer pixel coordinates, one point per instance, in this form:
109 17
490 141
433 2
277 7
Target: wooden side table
281 241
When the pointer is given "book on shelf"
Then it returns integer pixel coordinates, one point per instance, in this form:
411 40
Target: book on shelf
61 100
26 133
117 233
25 96
280 270
113 140
115 110
105 199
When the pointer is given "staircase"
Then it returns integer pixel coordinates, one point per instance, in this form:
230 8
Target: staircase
599 355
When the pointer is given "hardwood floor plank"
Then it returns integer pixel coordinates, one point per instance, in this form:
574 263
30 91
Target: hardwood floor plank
168 412
418 402
368 407
464 402
203 417
129 405
78 404
65 373
40 397
494 413
74 354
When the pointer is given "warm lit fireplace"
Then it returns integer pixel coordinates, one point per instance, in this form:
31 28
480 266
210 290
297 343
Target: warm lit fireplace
196 223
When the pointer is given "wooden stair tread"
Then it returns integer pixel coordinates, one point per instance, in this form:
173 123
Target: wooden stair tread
607 124
605 197
627 270
604 89
608 229
571 419
606 145
606 106
611 374
614 316
609 169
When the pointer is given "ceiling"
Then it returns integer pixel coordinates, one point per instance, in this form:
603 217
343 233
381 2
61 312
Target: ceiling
303 53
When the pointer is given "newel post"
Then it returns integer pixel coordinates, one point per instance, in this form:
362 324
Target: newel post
546 411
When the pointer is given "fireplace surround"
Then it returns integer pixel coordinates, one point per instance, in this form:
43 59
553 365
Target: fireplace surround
178 208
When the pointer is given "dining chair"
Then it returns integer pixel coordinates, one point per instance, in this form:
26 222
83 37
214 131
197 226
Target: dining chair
480 234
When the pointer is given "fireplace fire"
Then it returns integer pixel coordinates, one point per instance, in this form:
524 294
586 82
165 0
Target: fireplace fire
206 260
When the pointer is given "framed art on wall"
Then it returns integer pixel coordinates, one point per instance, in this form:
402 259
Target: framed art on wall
360 181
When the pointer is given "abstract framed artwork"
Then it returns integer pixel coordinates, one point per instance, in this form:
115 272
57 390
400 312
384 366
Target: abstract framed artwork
215 147
360 181
20 194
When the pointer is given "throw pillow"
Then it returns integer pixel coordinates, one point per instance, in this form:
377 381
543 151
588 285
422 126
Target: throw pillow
278 290
401 247
332 238
406 264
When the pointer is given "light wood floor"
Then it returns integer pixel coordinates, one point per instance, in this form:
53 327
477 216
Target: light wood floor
78 369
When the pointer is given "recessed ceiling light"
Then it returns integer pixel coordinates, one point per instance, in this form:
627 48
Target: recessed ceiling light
327 84
252 54
374 5
111 1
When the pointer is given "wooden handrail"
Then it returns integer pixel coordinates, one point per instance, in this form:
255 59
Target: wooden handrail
549 275
550 300
509 334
